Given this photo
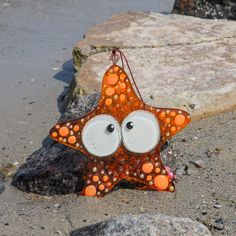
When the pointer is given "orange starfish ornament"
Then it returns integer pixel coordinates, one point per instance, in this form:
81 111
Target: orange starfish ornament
122 136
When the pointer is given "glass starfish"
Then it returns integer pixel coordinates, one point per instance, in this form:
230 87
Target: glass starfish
122 137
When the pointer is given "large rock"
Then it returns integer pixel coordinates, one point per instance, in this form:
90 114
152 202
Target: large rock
217 9
141 225
177 61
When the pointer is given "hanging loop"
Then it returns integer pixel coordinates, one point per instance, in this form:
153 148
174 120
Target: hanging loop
114 56
118 54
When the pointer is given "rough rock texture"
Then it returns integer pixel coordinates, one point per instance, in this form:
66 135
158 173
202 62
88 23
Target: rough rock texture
57 169
177 61
213 9
2 185
141 225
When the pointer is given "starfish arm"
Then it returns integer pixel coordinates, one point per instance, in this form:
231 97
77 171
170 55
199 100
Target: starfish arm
149 171
101 178
69 132
171 121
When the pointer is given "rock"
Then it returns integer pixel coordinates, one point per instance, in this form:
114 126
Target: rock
2 185
220 9
144 224
199 163
217 205
177 61
190 170
204 211
218 224
57 169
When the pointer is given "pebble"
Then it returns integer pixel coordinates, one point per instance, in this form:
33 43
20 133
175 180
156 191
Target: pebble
57 205
190 170
204 211
192 106
199 163
58 232
55 68
218 224
142 209
217 205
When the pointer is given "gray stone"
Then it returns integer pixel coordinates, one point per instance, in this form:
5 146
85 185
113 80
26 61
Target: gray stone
218 224
144 225
199 163
177 61
2 184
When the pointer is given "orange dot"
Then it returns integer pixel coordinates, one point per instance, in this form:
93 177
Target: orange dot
147 168
157 170
122 85
60 139
76 128
162 115
95 178
173 129
149 178
105 178
161 182
112 79
90 191
54 134
110 91
101 187
167 120
122 98
109 184
172 113
122 76
116 68
108 101
72 139
63 131
179 120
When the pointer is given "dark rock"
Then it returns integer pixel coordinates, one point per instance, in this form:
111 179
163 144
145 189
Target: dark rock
2 185
57 169
213 9
218 224
204 211
144 225
192 106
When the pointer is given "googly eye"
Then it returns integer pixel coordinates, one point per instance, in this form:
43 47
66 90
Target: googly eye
129 125
110 128
140 131
101 135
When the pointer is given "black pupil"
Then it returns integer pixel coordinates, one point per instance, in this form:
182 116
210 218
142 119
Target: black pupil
130 125
110 128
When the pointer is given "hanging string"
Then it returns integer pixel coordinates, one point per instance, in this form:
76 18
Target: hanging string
123 57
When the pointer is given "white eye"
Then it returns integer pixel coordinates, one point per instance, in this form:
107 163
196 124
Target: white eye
140 131
101 135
